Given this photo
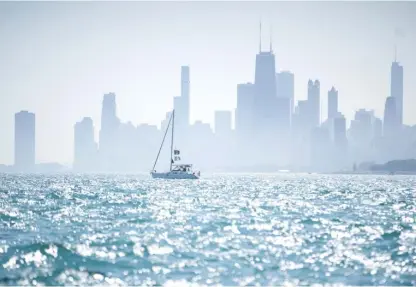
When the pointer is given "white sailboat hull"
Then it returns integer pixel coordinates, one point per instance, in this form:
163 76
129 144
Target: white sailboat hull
176 171
174 175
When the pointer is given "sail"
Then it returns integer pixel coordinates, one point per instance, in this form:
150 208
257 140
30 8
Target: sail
164 137
178 171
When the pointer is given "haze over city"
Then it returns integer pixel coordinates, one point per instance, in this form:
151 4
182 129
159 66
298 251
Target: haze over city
208 143
59 59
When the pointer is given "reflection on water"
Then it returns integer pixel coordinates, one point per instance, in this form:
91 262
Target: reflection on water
223 229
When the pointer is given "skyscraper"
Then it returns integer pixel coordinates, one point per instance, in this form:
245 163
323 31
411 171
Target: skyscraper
320 147
265 93
377 128
181 106
223 123
391 119
244 114
396 89
108 145
314 103
300 128
332 103
283 115
392 147
85 148
24 141
340 141
244 123
165 122
109 120
285 86
185 93
362 127
340 130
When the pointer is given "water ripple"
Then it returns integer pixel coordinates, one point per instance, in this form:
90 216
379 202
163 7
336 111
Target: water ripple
220 230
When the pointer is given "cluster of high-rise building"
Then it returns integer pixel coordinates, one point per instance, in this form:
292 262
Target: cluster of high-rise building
271 131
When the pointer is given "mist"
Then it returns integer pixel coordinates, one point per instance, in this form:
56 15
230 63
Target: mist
245 98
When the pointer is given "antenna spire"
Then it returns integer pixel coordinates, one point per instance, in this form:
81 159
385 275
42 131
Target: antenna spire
260 38
271 38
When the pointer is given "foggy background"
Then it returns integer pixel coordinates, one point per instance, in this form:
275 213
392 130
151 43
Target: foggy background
57 60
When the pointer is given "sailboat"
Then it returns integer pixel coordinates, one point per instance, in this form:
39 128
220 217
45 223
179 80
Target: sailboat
176 171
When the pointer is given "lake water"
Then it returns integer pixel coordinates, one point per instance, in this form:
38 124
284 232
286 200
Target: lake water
237 229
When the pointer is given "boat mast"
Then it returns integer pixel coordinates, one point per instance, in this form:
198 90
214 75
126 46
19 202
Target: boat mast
171 143
167 128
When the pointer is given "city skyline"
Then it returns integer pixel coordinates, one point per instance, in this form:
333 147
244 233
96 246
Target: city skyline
227 99
268 131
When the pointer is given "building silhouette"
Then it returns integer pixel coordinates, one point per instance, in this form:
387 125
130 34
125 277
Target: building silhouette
396 89
270 130
393 146
391 118
108 142
244 123
340 156
265 108
285 91
320 149
314 103
283 116
265 103
185 93
201 151
244 114
301 117
223 123
360 136
224 139
301 130
377 128
309 139
332 103
362 127
285 86
165 122
181 106
85 147
283 131
24 141
144 146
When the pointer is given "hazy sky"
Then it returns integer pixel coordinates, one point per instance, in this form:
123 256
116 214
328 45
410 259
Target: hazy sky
58 59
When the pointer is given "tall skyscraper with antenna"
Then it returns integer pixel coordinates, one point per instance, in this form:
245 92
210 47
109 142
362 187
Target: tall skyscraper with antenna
265 89
265 112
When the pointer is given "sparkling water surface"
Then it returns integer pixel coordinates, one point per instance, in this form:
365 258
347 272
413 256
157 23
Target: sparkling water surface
220 230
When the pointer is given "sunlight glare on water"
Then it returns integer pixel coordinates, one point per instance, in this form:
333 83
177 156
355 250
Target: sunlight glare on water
219 230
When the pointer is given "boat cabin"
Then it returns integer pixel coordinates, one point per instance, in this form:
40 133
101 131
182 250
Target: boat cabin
182 167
